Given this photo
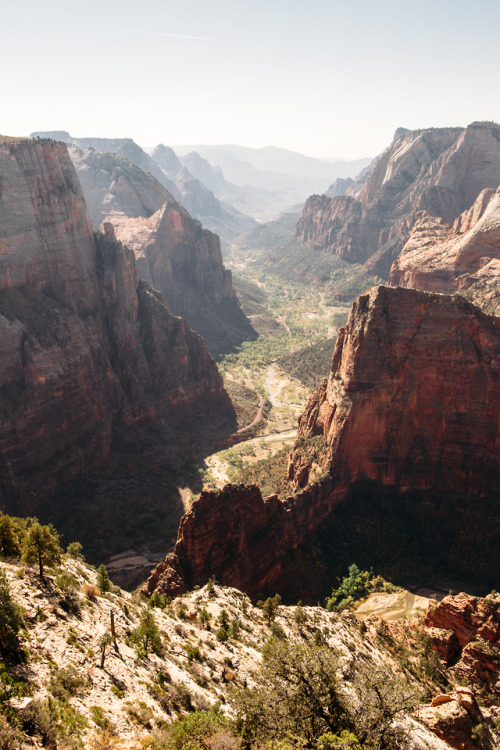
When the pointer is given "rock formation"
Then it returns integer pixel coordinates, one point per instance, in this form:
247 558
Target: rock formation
174 254
439 170
413 397
85 345
198 199
240 539
412 403
462 258
465 633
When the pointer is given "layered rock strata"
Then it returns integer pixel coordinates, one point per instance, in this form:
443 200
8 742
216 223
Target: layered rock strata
464 257
174 253
413 396
465 633
84 343
439 170
412 403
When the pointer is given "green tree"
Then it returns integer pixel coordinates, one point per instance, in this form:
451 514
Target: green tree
9 546
147 636
298 694
41 545
11 622
75 550
270 608
301 694
103 582
300 615
104 641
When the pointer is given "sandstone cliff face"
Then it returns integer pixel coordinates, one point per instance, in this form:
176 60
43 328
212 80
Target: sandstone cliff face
462 258
197 197
441 171
240 539
465 633
84 344
413 396
174 254
412 404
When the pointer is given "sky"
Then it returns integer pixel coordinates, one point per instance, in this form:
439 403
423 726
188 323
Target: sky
322 77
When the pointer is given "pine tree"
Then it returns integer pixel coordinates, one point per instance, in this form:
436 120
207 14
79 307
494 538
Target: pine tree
9 546
103 582
41 545
11 621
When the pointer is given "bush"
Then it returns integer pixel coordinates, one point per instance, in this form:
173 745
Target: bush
147 636
65 682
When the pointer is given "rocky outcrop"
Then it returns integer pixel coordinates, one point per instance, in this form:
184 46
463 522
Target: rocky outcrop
412 404
339 187
461 258
174 254
240 539
198 199
455 717
85 345
472 624
413 397
439 170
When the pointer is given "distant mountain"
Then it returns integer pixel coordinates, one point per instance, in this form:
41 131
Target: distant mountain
439 170
267 182
278 160
199 199
173 252
226 221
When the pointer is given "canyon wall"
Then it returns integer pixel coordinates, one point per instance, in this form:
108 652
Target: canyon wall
85 345
174 253
463 257
439 170
412 404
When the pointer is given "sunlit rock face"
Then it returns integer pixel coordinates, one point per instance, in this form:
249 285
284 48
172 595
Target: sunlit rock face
84 343
463 257
439 170
411 408
413 396
174 253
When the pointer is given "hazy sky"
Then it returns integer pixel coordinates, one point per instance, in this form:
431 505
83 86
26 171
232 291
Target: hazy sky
323 77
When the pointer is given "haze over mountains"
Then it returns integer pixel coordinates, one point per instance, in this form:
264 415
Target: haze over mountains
107 397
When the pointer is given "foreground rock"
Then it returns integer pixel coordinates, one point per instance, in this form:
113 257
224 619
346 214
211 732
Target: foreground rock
461 258
439 170
85 345
134 696
411 406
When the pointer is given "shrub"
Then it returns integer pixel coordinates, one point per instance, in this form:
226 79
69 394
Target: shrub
103 581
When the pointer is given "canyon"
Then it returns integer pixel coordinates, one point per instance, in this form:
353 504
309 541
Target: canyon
411 407
87 347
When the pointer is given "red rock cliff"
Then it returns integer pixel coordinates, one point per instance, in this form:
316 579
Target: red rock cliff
439 170
412 402
84 344
462 258
174 253
413 396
